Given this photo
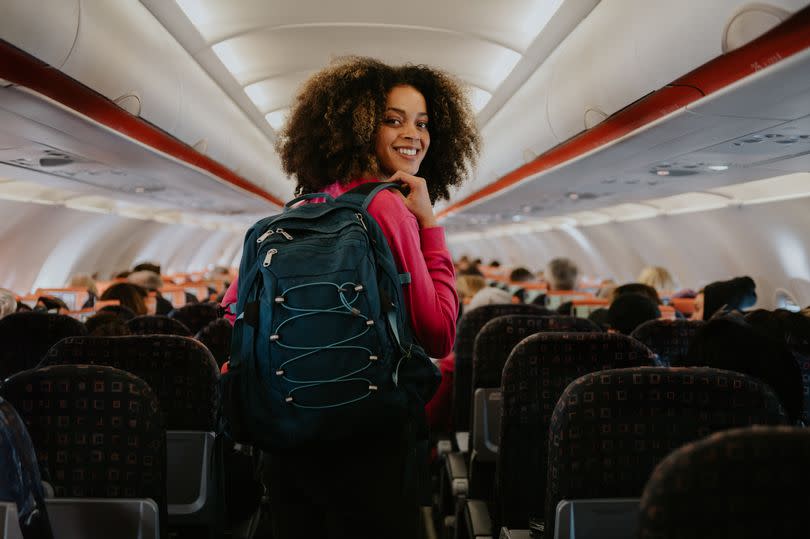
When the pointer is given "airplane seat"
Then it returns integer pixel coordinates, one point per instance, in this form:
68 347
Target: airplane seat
20 481
742 483
610 429
101 444
27 336
152 324
535 375
469 326
491 348
196 316
216 336
185 378
669 339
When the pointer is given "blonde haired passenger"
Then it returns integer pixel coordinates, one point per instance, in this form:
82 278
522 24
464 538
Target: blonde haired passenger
658 278
8 302
468 285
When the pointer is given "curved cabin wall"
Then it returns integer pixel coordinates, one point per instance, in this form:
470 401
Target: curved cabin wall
43 246
769 242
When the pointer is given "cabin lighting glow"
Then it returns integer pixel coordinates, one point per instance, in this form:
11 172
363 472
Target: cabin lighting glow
573 196
276 118
718 168
662 172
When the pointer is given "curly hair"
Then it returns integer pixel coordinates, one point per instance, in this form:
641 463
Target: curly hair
331 130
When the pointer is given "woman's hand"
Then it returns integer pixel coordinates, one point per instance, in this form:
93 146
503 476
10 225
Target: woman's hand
418 200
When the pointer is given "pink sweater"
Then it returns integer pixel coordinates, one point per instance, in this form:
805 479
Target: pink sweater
431 297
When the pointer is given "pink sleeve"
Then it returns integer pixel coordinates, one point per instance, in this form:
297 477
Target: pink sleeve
230 298
431 297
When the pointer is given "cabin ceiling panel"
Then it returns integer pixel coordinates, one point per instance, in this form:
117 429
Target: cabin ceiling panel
513 23
268 53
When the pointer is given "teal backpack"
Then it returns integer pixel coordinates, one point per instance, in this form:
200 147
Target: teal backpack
322 347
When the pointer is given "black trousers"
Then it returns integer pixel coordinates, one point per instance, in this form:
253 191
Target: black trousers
338 493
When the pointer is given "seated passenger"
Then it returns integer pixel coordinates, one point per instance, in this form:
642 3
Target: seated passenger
51 304
658 278
83 280
130 295
723 296
152 282
730 343
488 296
8 302
106 324
520 275
629 311
562 274
635 288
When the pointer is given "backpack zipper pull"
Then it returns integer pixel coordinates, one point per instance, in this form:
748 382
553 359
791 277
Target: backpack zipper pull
362 221
264 236
285 234
269 257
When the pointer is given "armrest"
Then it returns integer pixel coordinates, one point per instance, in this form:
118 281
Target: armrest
608 518
463 441
102 518
456 468
479 525
9 521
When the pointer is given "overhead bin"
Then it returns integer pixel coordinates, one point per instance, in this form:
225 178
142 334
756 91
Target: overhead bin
122 52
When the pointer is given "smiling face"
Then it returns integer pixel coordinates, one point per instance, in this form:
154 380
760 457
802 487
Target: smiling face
403 138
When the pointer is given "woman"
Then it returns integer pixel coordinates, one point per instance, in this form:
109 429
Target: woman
357 121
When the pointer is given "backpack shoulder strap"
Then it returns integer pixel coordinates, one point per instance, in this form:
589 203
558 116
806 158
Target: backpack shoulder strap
363 194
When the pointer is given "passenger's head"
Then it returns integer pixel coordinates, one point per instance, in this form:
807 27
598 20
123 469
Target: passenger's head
121 274
495 264
359 118
121 311
106 324
488 296
469 285
8 302
130 295
635 288
147 266
83 280
562 274
732 344
51 304
521 275
146 279
629 311
734 294
658 278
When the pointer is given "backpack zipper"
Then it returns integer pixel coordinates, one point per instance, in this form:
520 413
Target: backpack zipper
265 236
268 258
362 221
285 234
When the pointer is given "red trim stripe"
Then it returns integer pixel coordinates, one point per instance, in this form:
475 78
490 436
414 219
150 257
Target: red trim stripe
784 41
20 68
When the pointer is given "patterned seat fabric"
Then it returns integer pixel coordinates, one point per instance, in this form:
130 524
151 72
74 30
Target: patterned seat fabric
669 339
469 326
20 481
26 336
196 315
804 366
216 336
500 335
742 483
610 429
157 325
536 374
180 370
97 431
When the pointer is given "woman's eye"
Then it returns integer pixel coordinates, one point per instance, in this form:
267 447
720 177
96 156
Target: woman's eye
422 125
392 121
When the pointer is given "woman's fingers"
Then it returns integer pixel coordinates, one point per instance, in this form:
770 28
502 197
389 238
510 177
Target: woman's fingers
418 199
